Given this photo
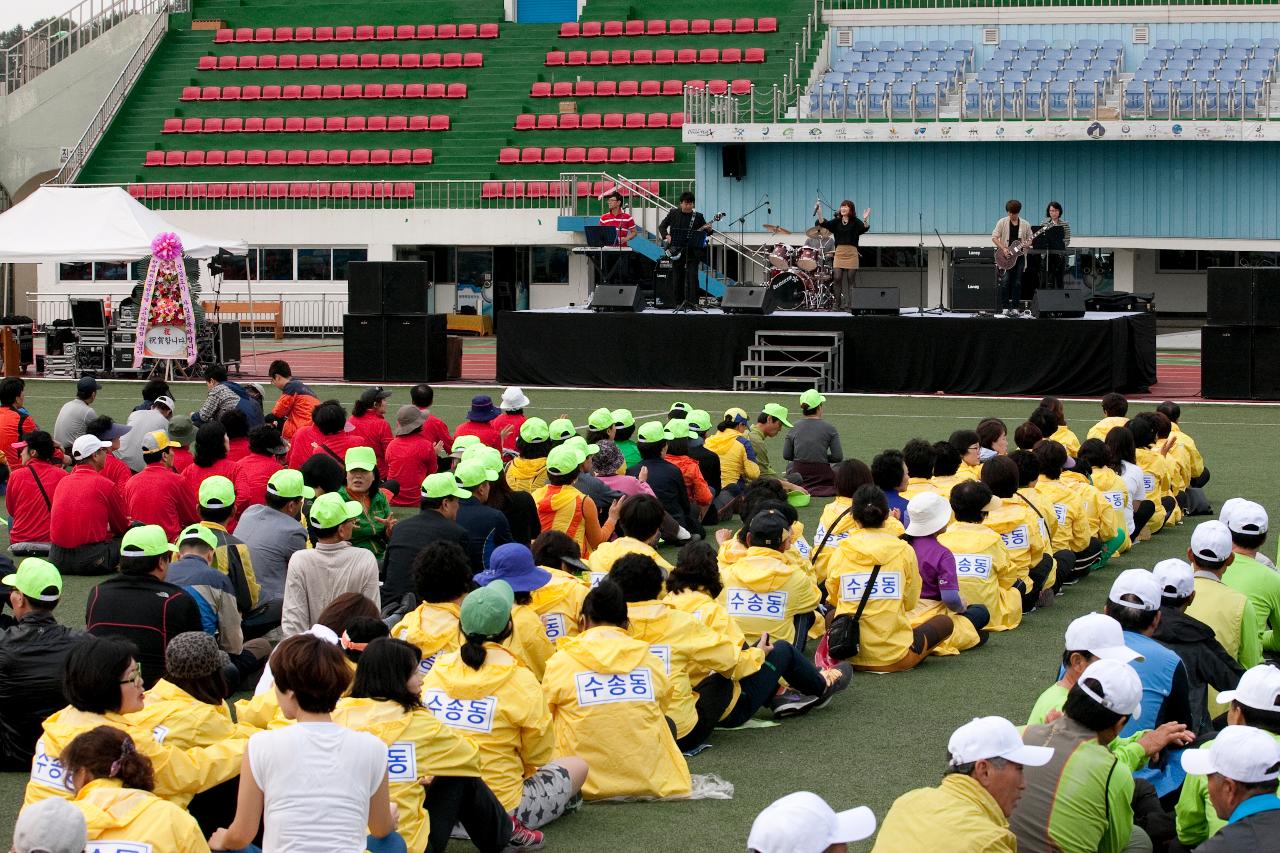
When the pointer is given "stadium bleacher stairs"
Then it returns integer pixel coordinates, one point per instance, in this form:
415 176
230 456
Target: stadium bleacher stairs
480 124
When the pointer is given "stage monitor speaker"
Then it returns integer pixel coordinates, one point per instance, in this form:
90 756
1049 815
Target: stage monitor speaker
1266 297
1230 296
364 287
617 297
1058 304
747 299
664 284
228 341
973 288
733 159
363 348
875 300
421 348
406 287
1225 362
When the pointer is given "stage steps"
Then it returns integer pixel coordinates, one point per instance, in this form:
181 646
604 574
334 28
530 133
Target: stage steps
812 359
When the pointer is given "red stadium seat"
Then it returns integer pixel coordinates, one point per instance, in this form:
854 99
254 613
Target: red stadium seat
405 32
337 156
696 85
664 154
597 155
293 124
562 89
350 91
584 88
307 61
421 156
656 120
536 189
324 34
253 124
557 57
583 189
339 189
349 60
467 31
767 25
154 158
397 124
298 190
388 60
708 56
447 31
568 30
344 34
237 190
426 31
722 25
410 60
385 32
540 90
553 155
278 93
155 191
274 124
212 125
744 25
488 31
452 60
176 191
686 56
414 90
328 60
210 93
700 27
678 27
434 90
508 155
224 36
650 88
258 157
358 157
380 157
592 121
207 63
217 191
137 191
635 121
230 93
740 87
314 124
278 190
548 121
591 29
190 93
377 124
627 88
613 28
642 57
392 90
173 125
227 63
570 121
355 124
254 93
718 87
247 63
754 54
244 34
613 121
472 60
264 34
419 122
656 28
362 189
620 57
456 90
439 122
731 55
431 60
491 189
403 189
365 33
513 189
334 124
233 124
575 155
664 57
304 34
643 154
633 28
296 157
598 57
317 157
400 156
531 155
620 154
314 92
672 87
288 61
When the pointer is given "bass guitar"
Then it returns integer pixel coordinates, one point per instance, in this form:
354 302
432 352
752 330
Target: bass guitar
675 253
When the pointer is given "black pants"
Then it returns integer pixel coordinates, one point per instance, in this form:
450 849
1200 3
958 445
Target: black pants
1065 561
1039 574
715 692
1141 515
1201 481
1084 560
99 558
785 661
1169 505
1010 282
980 616
684 273
466 800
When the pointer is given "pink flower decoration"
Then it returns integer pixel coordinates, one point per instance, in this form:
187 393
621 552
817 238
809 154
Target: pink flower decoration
167 246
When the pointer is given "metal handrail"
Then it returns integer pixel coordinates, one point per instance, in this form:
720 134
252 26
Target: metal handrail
115 99
61 36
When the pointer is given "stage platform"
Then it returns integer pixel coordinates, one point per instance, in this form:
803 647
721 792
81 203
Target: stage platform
909 353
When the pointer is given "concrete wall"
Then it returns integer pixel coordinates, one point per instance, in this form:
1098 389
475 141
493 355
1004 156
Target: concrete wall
52 111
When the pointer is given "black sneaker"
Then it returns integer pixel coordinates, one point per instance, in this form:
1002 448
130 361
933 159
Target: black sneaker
846 675
791 704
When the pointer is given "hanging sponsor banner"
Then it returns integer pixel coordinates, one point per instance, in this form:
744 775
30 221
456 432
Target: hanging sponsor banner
986 131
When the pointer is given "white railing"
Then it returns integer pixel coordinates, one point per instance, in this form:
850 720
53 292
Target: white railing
800 49
318 314
60 37
115 99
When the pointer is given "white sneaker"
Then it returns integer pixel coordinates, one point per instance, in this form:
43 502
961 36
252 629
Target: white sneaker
683 535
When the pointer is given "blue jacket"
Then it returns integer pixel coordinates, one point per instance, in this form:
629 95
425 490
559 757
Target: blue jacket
1165 699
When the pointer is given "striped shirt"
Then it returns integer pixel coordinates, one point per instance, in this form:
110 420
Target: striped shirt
620 220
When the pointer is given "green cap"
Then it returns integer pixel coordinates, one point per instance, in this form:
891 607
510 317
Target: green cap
197 531
600 419
652 433
462 442
678 428
812 399
181 429
487 610
489 457
442 485
33 577
565 459
146 541
700 419
775 410
581 444
533 431
217 492
361 459
680 406
561 429
622 418
472 472
287 483
330 510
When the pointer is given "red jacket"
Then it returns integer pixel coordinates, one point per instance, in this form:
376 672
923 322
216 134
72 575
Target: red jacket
309 441
9 432
377 434
486 432
182 459
436 429
194 475
117 472
294 407
26 505
513 421
252 473
158 495
238 450
410 460
694 482
86 509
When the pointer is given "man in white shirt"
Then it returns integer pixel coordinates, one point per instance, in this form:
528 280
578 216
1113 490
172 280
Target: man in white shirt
76 413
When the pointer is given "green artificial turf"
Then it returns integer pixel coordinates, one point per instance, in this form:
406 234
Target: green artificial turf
887 733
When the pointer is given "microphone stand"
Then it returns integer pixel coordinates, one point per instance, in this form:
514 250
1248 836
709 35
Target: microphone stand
741 223
920 267
940 308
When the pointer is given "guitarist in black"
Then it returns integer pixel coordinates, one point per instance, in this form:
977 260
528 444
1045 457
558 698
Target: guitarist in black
684 232
1011 234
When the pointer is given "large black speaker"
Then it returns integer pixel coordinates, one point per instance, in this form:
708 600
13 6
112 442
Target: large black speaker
733 159
364 348
1266 298
1226 362
974 288
227 342
1230 296
420 353
875 300
1266 358
405 287
747 299
617 297
364 287
664 284
1058 303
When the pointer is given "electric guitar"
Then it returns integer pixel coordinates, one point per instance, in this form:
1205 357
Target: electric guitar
674 253
1017 248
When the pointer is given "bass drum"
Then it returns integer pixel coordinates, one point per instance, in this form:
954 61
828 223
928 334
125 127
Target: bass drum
789 287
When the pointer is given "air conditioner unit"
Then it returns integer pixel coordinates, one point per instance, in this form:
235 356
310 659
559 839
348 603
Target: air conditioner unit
990 35
844 38
1141 34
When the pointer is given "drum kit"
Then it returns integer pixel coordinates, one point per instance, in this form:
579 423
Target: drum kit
801 277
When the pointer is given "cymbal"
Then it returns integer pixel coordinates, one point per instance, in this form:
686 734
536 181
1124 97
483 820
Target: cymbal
817 231
775 229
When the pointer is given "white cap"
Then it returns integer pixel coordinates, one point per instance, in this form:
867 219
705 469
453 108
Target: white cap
1228 507
1175 578
1139 583
1211 541
1259 688
87 445
994 737
513 398
50 826
1241 753
167 402
1121 688
1101 636
1245 517
803 823
929 513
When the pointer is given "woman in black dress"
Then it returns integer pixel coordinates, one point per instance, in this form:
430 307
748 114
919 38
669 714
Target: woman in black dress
846 229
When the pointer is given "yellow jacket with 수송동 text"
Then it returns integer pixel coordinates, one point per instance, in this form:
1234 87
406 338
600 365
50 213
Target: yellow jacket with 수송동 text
1068 510
985 572
1022 533
763 592
433 628
608 697
885 630
841 524
797 556
958 816
558 604
711 613
528 640
418 745
1103 518
180 720
499 708
133 818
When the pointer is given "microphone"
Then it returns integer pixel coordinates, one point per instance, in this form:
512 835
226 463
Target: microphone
768 205
817 204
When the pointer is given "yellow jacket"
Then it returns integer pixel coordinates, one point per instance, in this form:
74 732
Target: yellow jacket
943 484
797 556
680 641
885 627
734 464
527 475
1187 443
1104 426
559 604
958 816
262 712
179 773
841 530
180 720
528 640
985 572
1067 439
433 628
1157 473
608 697
1022 533
1069 512
918 486
1104 519
113 812
970 472
764 592
499 708
711 613
608 553
417 745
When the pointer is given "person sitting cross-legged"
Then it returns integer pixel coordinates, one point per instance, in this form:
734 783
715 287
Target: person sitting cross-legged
29 495
318 575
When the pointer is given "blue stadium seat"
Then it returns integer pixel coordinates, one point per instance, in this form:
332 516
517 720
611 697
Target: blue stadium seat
863 46
1165 44
973 100
1036 45
1216 44
1113 43
1033 98
940 46
963 44
1192 44
913 46
887 46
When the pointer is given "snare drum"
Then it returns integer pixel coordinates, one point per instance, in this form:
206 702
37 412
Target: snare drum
809 258
789 287
781 256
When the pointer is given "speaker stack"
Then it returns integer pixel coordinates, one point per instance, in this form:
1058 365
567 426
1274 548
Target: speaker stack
973 280
1240 346
389 301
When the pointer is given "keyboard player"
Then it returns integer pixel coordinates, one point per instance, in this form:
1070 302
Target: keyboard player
618 218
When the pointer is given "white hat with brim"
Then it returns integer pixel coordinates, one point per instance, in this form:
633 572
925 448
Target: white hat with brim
1120 688
929 513
994 737
1240 753
803 823
1259 688
1101 636
512 399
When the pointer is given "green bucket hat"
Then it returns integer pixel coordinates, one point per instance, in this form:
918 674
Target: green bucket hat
330 510
778 412
487 610
33 577
700 419
533 431
489 457
146 541
287 483
442 485
472 472
361 459
565 459
812 399
652 433
561 429
217 492
622 418
200 532
600 419
678 428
